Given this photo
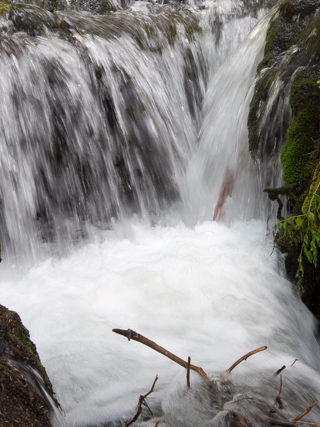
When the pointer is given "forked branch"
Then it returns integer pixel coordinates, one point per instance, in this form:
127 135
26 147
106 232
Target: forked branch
142 401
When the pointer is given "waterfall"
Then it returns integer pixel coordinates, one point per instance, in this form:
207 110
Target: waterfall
121 138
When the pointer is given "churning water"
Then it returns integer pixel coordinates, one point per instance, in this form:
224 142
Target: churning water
115 145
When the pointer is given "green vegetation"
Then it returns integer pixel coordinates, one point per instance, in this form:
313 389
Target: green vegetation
305 228
300 160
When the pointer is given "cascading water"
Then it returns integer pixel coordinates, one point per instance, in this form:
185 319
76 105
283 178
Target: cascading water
116 141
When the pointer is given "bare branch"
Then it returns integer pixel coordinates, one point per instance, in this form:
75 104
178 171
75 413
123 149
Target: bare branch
132 335
245 357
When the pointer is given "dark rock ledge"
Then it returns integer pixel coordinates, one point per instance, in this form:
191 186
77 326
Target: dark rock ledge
26 395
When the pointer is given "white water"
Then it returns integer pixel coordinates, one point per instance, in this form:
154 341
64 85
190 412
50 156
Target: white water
211 291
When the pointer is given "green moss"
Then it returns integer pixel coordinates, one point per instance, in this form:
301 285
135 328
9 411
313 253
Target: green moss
4 8
301 150
297 161
283 32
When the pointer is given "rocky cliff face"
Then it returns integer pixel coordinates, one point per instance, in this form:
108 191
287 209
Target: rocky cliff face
285 117
26 396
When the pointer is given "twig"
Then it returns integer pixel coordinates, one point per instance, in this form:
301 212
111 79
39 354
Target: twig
245 357
132 335
280 370
188 372
296 360
142 402
242 398
278 398
156 424
306 422
296 419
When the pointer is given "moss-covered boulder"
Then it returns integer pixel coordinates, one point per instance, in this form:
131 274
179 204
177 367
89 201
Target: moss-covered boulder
301 151
292 46
285 118
24 381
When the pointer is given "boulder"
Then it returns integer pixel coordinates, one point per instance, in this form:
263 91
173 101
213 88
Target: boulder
26 395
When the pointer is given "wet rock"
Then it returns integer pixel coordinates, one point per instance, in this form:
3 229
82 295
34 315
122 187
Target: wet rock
292 43
230 419
285 117
24 381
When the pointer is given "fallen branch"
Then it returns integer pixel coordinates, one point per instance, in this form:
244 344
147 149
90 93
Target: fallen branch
132 335
245 357
142 399
304 413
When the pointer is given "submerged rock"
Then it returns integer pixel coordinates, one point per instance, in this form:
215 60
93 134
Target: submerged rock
26 395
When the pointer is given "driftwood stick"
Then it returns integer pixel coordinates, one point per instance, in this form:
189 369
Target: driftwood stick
188 372
132 335
280 370
142 402
296 419
245 357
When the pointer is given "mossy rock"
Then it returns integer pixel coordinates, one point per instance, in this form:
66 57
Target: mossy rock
26 18
20 401
292 42
302 148
15 341
286 28
151 31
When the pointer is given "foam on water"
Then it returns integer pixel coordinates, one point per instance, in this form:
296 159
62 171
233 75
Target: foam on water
212 293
